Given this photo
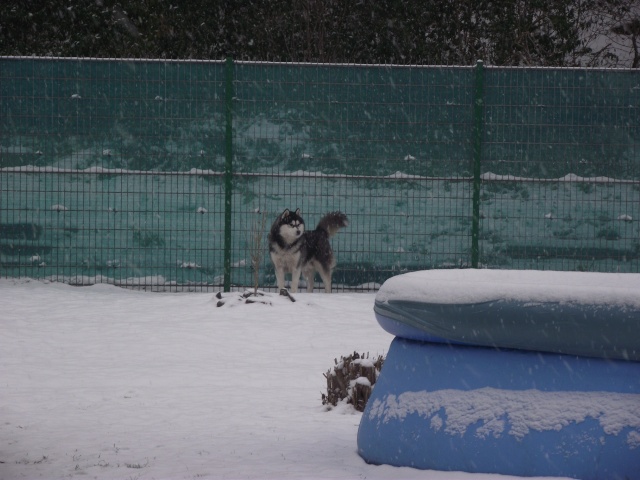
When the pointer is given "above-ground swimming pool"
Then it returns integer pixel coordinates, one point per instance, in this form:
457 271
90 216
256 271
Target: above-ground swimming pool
512 372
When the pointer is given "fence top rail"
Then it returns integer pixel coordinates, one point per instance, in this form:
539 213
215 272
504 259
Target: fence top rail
237 62
318 64
110 59
350 65
435 66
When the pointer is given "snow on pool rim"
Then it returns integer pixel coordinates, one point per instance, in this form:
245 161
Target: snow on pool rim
468 286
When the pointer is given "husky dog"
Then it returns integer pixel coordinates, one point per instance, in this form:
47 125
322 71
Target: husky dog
296 251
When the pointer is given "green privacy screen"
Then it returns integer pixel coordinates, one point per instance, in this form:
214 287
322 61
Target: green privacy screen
168 174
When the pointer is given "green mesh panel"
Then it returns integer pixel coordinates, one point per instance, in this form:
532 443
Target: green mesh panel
114 170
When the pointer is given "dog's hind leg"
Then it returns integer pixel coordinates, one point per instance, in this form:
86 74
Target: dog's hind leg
309 276
325 274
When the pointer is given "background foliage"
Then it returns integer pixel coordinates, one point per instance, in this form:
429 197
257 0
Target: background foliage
446 32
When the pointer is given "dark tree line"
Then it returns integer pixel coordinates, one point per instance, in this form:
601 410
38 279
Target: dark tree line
501 32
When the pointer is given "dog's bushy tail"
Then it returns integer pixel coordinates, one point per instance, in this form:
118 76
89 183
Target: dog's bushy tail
332 222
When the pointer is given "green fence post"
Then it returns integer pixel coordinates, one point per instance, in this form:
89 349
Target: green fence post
478 106
228 171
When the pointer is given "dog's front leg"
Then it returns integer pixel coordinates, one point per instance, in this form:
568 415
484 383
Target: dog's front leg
280 270
295 279
280 278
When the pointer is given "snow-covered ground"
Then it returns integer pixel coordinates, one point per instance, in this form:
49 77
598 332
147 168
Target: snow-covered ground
103 382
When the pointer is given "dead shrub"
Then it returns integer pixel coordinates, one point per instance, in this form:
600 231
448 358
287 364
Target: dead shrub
351 380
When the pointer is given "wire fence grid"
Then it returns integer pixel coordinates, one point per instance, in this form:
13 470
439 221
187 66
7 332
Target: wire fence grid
160 174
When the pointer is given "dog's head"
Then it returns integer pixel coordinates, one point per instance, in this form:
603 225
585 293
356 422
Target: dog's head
291 225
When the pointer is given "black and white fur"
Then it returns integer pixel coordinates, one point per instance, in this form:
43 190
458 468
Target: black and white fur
297 251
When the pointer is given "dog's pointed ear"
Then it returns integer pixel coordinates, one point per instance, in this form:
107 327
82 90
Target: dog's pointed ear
297 211
285 214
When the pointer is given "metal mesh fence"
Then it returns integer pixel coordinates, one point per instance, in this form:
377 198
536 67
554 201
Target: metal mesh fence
561 164
158 174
